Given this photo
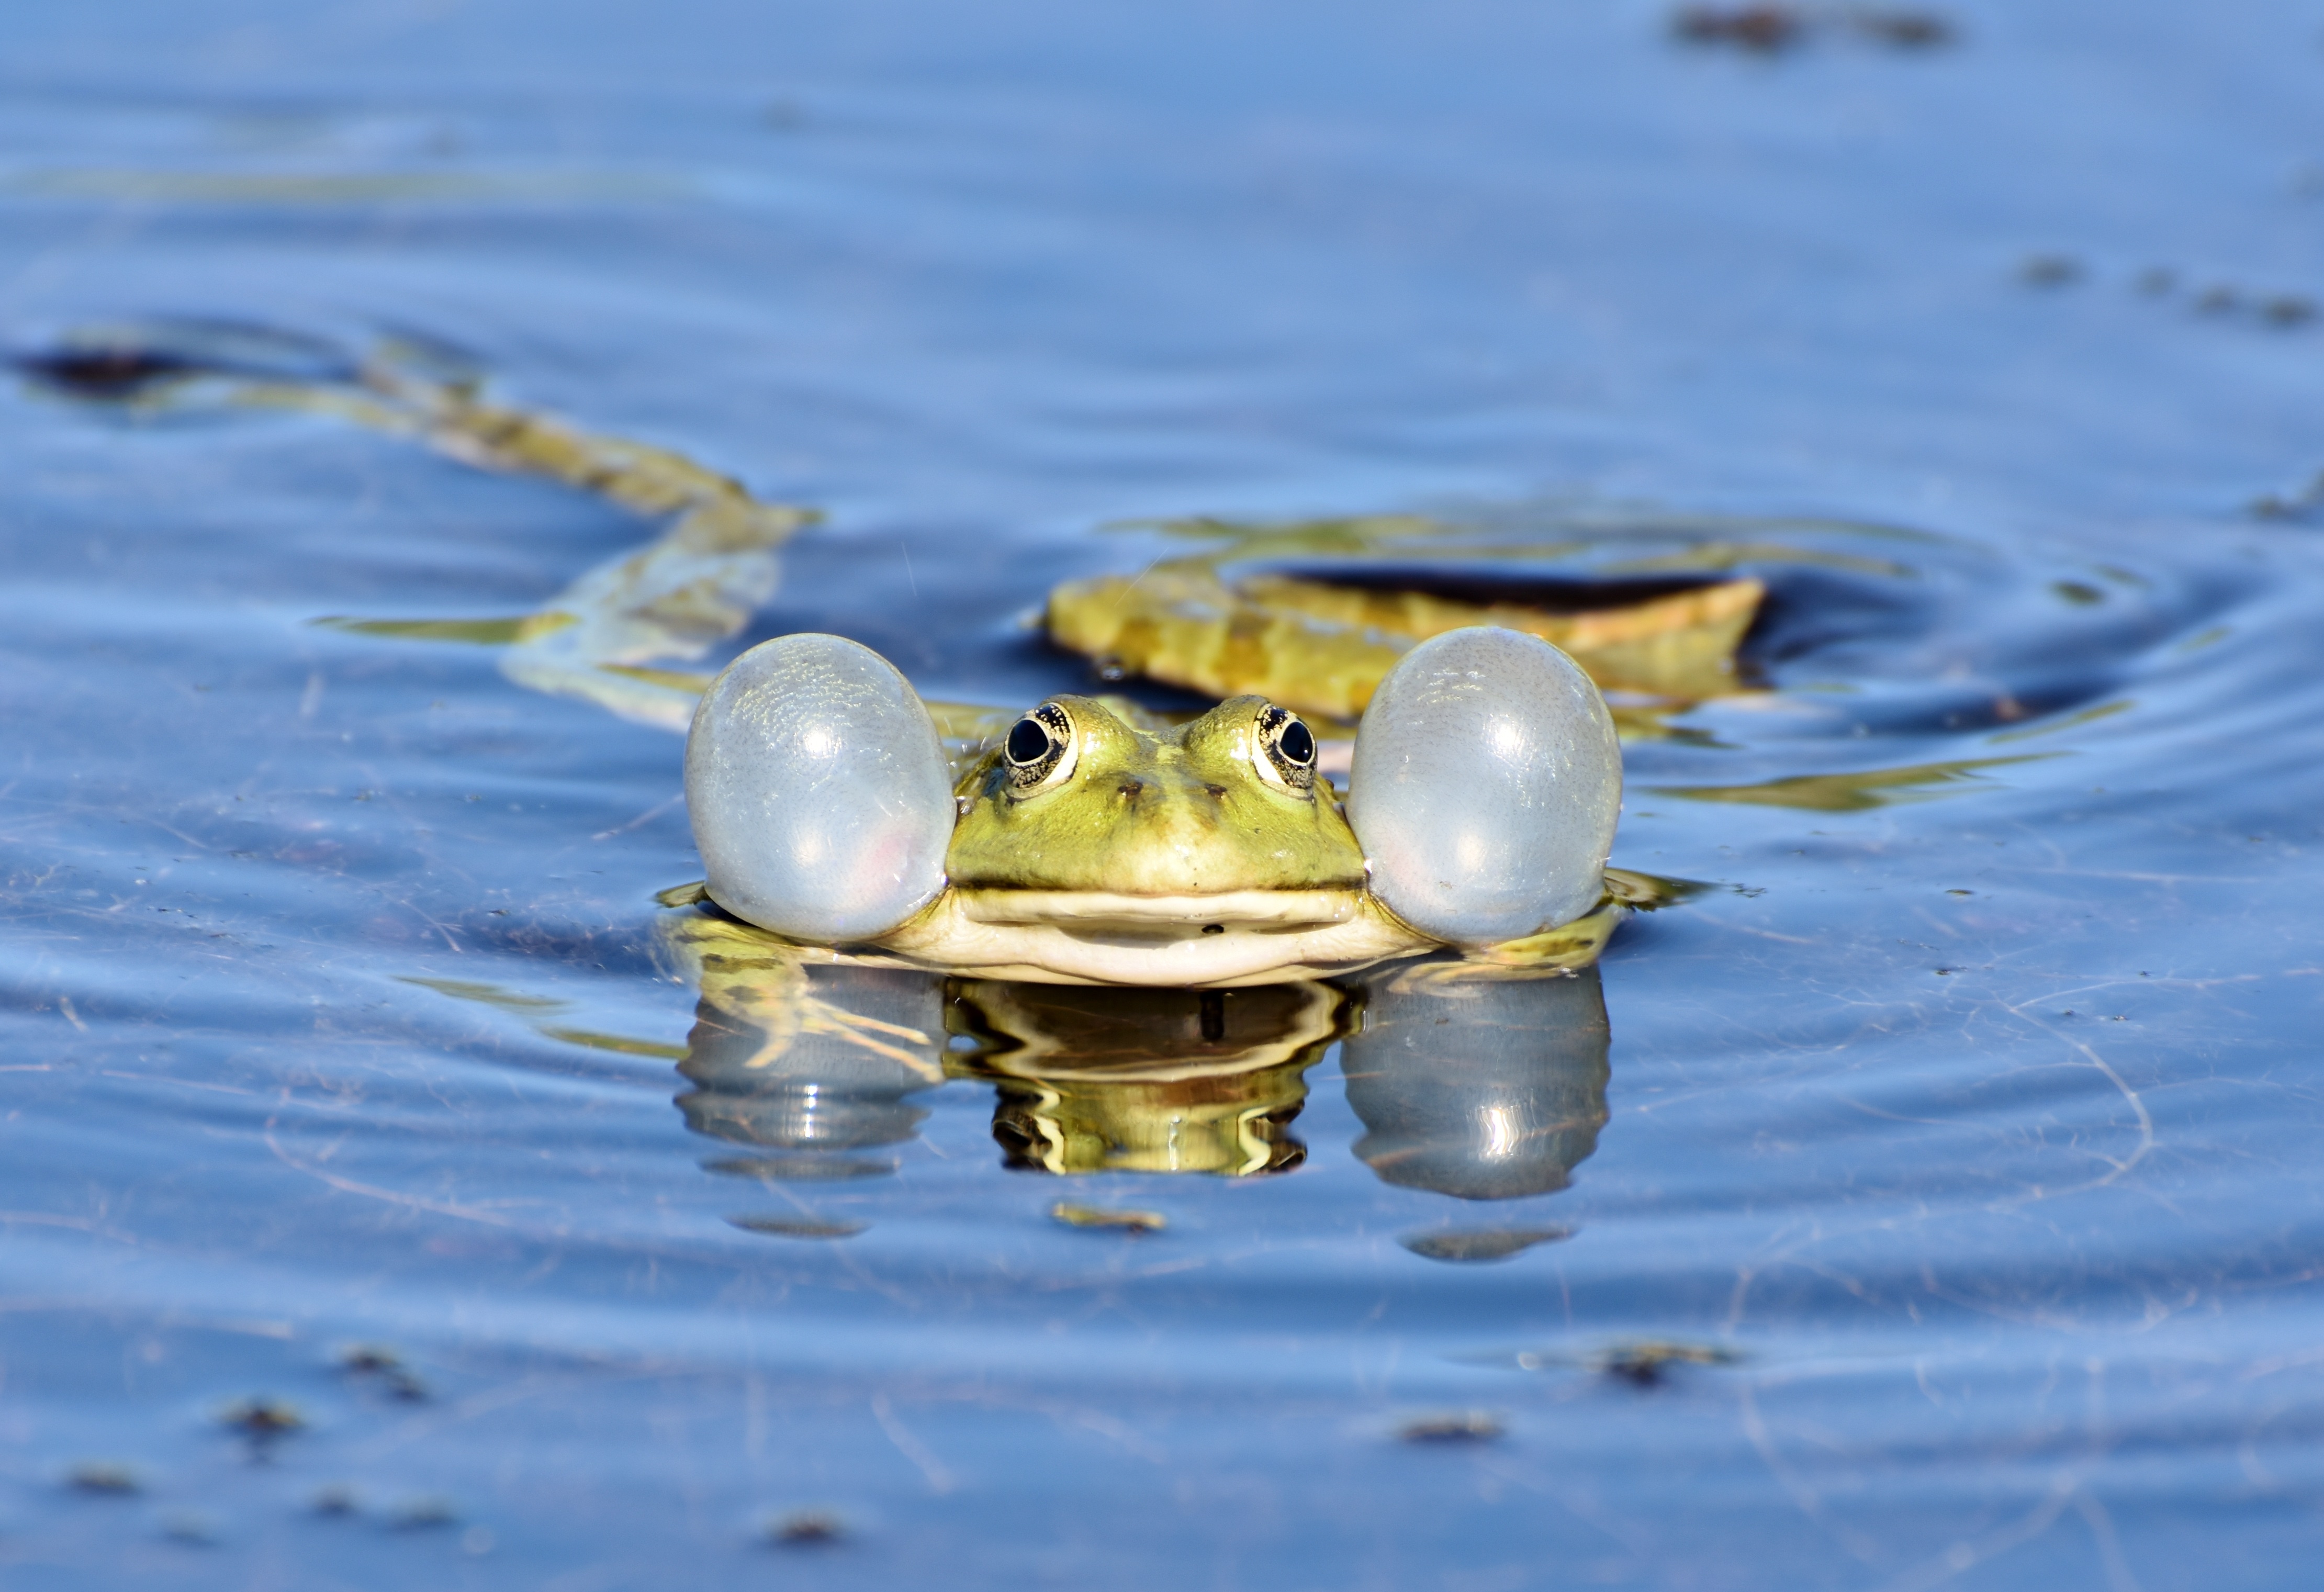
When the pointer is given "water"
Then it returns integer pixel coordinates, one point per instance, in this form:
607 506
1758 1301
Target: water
1962 1136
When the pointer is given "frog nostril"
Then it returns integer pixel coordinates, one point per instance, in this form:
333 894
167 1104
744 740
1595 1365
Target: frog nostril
1132 790
1218 792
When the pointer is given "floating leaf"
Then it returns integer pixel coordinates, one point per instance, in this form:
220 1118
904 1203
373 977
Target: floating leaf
475 632
1454 1426
491 995
619 1043
1094 1216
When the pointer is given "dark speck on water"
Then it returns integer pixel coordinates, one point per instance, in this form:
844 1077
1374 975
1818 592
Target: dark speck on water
1650 1364
262 1419
103 1479
354 990
1458 1426
812 1528
2050 271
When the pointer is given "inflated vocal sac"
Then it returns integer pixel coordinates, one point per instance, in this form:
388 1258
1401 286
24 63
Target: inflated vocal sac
1485 788
821 801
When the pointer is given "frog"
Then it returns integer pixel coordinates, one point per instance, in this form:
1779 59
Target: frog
1097 843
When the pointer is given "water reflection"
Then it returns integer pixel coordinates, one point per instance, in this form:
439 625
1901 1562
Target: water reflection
1482 1089
809 1067
1103 1080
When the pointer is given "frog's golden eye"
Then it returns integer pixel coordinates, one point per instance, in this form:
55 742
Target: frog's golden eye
1286 750
1039 752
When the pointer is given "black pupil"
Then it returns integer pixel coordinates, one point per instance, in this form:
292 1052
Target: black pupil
1028 743
1296 744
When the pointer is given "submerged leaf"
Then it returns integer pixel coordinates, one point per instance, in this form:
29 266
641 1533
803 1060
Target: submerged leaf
619 1043
475 632
1850 793
1456 1426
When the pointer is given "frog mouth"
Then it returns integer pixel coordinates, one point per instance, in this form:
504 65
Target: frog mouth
1163 917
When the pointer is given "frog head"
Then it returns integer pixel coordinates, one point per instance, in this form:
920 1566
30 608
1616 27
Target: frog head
1095 814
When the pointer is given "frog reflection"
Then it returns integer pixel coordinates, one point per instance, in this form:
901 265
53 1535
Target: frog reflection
1482 1090
809 1068
1098 1080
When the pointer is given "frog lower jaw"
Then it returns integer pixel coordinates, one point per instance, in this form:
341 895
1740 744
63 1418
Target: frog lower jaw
1172 952
1166 917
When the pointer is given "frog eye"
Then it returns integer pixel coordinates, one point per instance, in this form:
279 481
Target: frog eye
1286 750
1039 752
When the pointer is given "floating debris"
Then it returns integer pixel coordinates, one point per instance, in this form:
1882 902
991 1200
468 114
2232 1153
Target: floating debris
1456 1426
806 1528
797 1227
1857 792
383 1364
1769 29
336 1502
2291 506
2049 270
1096 1216
1906 29
102 371
1644 1363
1475 1245
1648 1364
262 1419
105 1479
1765 29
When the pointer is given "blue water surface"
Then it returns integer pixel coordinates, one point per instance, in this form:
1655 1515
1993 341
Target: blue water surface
1964 1133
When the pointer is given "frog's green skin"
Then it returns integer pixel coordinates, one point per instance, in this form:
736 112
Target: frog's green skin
1179 855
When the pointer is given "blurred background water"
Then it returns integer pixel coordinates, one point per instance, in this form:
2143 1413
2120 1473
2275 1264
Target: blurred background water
1933 1202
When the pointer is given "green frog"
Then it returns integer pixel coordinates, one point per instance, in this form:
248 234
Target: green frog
1097 843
